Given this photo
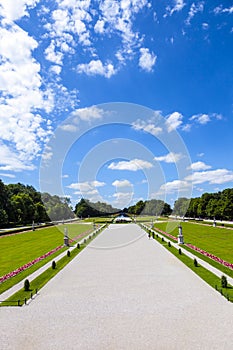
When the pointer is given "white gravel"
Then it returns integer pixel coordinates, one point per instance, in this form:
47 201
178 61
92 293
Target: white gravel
123 292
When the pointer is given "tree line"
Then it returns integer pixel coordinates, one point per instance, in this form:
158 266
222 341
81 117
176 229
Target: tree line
210 205
20 205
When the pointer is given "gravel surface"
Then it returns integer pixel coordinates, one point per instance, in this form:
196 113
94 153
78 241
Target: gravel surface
122 292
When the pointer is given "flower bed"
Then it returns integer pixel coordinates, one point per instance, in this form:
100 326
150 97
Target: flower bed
201 251
26 266
211 256
166 234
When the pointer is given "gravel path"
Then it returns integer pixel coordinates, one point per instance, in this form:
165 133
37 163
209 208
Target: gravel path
122 292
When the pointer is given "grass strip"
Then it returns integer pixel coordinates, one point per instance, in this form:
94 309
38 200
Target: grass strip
47 275
209 277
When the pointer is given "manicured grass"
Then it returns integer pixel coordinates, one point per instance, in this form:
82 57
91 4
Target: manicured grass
202 272
148 218
100 220
18 249
215 240
43 278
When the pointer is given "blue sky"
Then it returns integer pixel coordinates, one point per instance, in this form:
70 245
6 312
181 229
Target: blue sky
117 100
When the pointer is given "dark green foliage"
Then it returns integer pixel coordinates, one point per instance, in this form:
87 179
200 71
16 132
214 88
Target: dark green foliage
224 281
195 262
162 239
68 253
90 237
150 207
78 246
180 252
54 265
26 285
86 208
169 244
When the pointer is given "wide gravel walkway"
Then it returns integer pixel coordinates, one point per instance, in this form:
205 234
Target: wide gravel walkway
122 292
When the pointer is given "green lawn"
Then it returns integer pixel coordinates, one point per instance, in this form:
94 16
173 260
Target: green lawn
19 249
218 241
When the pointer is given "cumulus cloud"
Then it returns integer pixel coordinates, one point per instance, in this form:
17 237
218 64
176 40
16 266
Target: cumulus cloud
174 186
218 176
88 113
174 121
22 96
10 160
205 118
121 183
169 158
147 60
132 165
147 127
86 186
199 166
12 10
96 67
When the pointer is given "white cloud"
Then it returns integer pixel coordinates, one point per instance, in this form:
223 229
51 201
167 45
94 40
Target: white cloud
69 127
178 6
86 186
12 10
147 127
121 183
22 96
173 121
199 166
220 9
56 69
174 186
132 165
205 118
10 160
53 55
201 118
147 60
218 176
8 175
194 9
169 158
99 26
96 67
88 113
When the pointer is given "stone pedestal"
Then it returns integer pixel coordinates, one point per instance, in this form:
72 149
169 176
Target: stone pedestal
66 238
180 236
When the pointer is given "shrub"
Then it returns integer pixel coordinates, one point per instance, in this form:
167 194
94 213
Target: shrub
78 246
90 237
224 281
153 235
85 241
26 285
68 253
162 239
54 265
180 252
169 244
195 262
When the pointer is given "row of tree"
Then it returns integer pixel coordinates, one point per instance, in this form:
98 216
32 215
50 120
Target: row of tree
20 205
85 208
154 207
210 205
